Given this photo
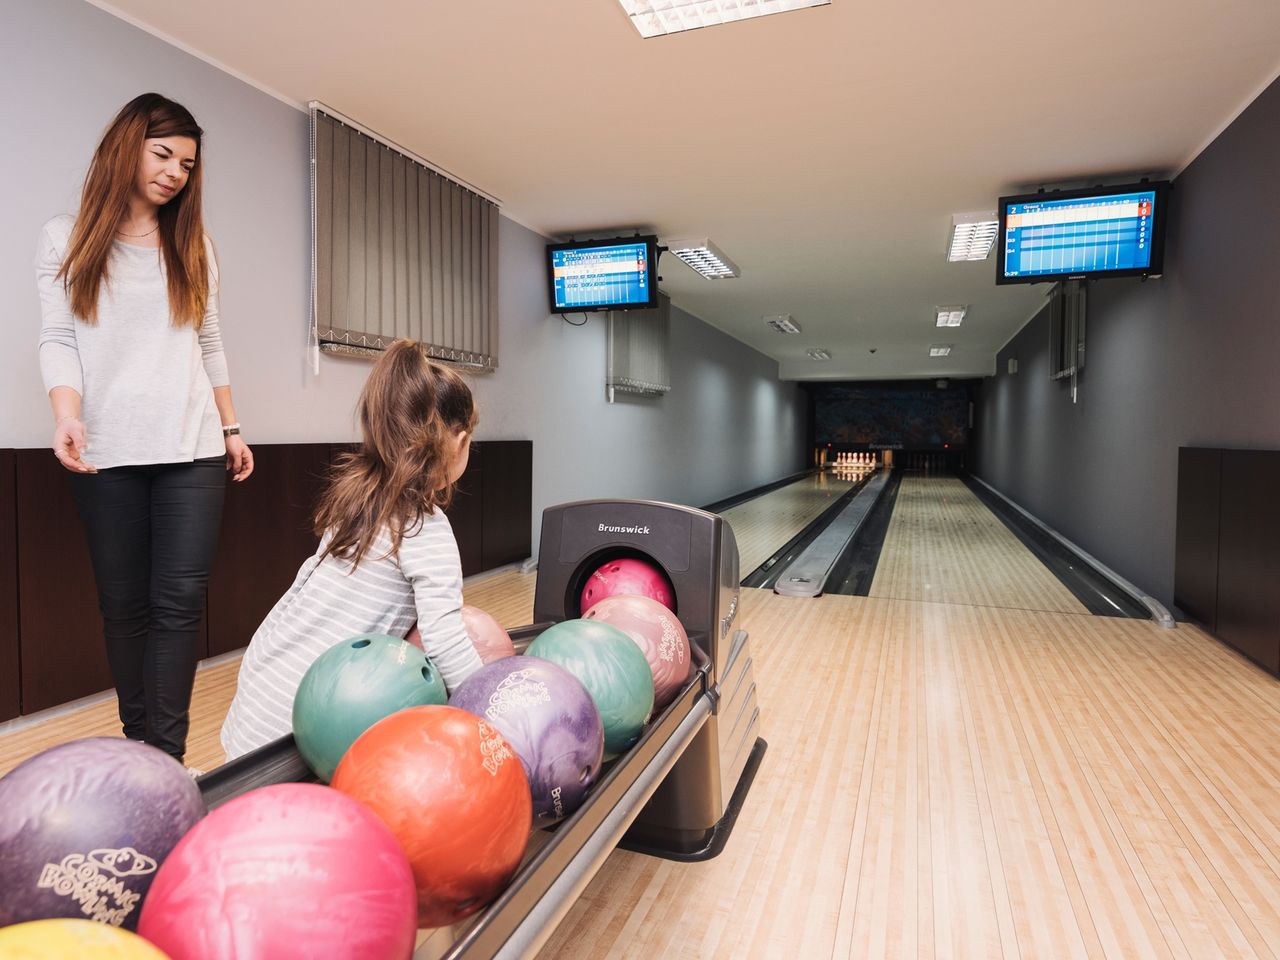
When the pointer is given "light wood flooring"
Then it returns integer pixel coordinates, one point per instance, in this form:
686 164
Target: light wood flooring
970 782
953 779
764 524
945 546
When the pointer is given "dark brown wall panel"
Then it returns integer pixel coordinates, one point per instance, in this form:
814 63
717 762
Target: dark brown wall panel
1195 574
60 629
1249 555
266 534
465 513
508 502
10 704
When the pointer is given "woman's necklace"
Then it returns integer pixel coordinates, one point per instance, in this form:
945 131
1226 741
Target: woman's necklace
139 236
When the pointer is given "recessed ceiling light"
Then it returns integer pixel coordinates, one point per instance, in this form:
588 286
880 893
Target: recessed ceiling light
818 353
783 323
939 349
972 235
705 257
950 316
655 18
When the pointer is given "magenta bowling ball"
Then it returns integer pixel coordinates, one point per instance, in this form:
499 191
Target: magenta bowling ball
84 826
659 634
549 719
289 870
626 576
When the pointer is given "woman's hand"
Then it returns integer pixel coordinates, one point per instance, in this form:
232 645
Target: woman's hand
239 458
69 445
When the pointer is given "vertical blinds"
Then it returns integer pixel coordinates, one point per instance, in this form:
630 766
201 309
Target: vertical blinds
638 350
398 250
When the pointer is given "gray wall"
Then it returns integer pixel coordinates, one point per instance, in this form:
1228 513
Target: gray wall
1187 360
729 423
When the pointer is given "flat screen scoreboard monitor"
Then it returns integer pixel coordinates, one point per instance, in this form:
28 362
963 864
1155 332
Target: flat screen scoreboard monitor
1082 234
618 274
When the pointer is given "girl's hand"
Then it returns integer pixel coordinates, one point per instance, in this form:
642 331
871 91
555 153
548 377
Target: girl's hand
69 445
239 458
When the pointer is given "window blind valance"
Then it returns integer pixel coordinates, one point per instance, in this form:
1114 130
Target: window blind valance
398 250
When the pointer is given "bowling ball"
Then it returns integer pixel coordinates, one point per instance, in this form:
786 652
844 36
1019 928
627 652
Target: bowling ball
551 722
627 576
611 667
491 641
454 794
660 636
68 939
353 685
85 825
289 870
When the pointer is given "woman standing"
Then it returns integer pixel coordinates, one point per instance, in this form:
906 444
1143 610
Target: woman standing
132 359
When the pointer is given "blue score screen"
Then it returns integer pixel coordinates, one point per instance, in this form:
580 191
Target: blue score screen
594 276
1086 235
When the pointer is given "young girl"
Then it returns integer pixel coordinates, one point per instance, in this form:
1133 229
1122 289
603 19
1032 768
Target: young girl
132 359
387 556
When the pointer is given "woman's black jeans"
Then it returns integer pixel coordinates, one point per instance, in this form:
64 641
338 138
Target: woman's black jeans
152 533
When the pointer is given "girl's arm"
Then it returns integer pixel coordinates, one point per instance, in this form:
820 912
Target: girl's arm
429 561
59 352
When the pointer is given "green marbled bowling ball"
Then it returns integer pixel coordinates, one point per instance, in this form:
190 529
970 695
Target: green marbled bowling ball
610 665
353 685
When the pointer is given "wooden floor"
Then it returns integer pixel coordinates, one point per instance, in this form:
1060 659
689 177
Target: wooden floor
955 779
945 546
764 524
970 782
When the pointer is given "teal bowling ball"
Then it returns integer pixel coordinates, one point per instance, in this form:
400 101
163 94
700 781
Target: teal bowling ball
353 685
613 669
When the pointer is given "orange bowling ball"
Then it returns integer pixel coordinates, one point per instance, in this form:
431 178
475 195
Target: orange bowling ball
454 794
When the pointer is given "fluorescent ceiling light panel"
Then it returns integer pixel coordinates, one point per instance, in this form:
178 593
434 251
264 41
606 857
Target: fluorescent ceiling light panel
783 323
972 235
950 316
819 353
656 18
939 349
705 257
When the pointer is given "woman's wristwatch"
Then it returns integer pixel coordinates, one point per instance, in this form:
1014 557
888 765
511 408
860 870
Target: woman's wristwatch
231 430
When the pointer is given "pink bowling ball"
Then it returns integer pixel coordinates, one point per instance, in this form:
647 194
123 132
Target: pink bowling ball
626 576
659 634
290 870
490 640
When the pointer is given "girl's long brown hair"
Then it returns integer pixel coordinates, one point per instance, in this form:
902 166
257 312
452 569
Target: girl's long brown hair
410 410
105 199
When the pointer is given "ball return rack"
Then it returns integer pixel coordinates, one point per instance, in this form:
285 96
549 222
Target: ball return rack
676 793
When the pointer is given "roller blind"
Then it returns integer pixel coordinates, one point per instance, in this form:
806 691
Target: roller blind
638 350
398 250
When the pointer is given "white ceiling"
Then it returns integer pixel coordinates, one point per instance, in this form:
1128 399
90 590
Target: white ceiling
824 150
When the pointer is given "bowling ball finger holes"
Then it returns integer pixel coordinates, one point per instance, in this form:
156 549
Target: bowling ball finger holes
585 775
427 675
360 644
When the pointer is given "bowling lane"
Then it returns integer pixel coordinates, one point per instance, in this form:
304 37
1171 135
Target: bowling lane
943 545
937 786
764 524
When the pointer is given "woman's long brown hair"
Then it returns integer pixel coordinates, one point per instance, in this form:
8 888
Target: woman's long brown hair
410 411
105 200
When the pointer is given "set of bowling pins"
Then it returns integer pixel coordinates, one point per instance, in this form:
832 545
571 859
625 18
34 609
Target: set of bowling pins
854 462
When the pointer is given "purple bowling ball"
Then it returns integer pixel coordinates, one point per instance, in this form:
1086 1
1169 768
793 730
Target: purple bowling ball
551 722
85 825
